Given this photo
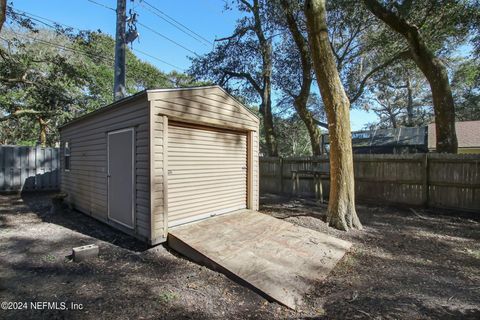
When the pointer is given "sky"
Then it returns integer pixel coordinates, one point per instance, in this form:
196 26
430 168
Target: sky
206 18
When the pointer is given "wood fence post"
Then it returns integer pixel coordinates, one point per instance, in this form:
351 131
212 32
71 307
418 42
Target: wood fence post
281 174
425 180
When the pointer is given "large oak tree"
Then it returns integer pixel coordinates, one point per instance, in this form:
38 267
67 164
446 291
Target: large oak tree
341 206
301 95
247 57
3 12
432 67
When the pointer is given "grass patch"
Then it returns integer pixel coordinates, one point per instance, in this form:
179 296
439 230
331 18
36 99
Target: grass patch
49 258
167 297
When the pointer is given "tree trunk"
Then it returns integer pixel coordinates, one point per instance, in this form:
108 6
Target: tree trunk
270 136
433 69
267 66
3 11
393 121
42 138
409 103
443 105
313 131
341 206
301 100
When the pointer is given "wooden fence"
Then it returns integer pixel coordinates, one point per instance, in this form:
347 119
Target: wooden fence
433 180
29 168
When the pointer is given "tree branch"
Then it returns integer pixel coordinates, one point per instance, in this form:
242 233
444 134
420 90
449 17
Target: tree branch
303 49
321 124
21 113
387 63
237 34
245 76
397 23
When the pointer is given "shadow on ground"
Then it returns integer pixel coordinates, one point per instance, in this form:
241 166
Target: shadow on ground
401 267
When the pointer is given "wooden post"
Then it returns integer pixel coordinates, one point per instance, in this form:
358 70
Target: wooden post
320 188
281 174
425 184
294 178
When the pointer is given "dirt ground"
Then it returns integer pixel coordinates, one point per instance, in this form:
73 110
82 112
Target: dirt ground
404 265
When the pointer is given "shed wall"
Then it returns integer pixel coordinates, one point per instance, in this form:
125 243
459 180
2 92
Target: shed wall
256 172
158 134
206 106
203 106
86 182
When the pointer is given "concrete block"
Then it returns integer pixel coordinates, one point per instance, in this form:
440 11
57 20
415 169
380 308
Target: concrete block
85 252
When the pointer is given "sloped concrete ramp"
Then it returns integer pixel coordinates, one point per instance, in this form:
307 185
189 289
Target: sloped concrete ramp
280 259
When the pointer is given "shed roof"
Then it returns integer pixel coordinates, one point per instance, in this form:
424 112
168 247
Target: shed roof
151 92
468 134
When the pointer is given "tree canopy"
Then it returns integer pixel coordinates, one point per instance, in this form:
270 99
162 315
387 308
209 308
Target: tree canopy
48 77
376 65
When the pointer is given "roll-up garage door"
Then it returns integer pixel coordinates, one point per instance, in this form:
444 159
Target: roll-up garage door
207 173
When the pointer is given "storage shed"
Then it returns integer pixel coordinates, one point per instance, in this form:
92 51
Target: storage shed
162 158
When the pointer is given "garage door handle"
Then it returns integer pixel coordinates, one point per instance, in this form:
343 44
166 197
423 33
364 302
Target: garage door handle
244 168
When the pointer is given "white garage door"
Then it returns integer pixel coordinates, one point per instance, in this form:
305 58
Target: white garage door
207 173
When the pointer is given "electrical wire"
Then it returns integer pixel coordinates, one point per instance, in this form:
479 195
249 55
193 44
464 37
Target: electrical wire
102 5
152 30
74 50
158 59
30 15
175 23
60 46
167 38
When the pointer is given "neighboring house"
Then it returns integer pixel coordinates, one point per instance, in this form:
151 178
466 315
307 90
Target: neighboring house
468 135
387 141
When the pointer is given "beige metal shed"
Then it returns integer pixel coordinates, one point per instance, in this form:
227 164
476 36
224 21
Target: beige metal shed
162 158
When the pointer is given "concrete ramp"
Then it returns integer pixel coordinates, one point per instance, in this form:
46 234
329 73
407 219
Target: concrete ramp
281 260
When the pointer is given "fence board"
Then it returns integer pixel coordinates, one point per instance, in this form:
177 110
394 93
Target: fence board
433 180
29 168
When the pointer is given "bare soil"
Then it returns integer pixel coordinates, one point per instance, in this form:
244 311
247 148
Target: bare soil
403 265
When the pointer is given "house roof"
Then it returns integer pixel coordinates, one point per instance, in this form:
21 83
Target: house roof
468 134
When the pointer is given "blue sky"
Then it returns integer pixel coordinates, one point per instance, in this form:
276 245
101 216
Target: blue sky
205 17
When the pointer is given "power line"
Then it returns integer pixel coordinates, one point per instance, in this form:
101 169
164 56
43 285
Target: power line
176 24
153 30
33 16
34 19
102 5
176 21
30 15
91 55
58 46
158 59
167 38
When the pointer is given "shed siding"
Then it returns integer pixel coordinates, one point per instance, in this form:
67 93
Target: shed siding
86 182
204 106
256 172
158 132
149 114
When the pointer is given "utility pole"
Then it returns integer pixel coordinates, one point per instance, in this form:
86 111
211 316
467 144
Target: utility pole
119 90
